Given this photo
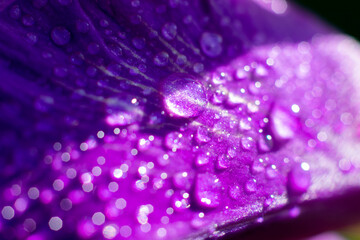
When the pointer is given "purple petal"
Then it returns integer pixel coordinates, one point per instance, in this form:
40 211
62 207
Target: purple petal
164 120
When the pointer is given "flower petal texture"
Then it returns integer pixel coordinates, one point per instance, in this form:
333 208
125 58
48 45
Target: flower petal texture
173 119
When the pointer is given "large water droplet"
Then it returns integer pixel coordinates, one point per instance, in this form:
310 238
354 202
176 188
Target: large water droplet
184 96
60 36
211 44
207 190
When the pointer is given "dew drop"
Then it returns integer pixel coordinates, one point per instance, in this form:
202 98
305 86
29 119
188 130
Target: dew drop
223 161
247 143
161 59
179 203
250 186
211 44
245 124
203 135
184 96
235 192
55 223
173 140
169 31
257 167
28 20
198 67
32 38
139 43
202 159
282 124
60 36
299 179
15 12
183 180
271 172
207 190
181 60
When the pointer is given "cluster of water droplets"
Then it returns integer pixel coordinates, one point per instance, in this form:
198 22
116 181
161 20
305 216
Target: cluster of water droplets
232 147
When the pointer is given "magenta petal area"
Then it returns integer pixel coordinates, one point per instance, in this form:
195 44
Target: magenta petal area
175 120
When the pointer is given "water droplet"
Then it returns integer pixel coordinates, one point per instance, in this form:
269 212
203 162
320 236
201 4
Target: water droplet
180 203
203 134
183 180
247 143
271 172
231 152
282 124
174 140
161 59
55 223
60 72
219 96
221 76
15 12
184 96
32 38
139 43
198 67
299 180
245 123
181 60
250 186
202 159
28 20
60 36
135 3
235 192
241 74
257 167
169 31
211 44
265 143
207 190
223 161
104 23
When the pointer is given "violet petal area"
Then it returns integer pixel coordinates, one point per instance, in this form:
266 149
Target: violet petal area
198 119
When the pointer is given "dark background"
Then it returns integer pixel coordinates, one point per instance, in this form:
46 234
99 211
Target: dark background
343 14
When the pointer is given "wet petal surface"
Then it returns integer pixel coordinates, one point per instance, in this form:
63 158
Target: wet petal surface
174 119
